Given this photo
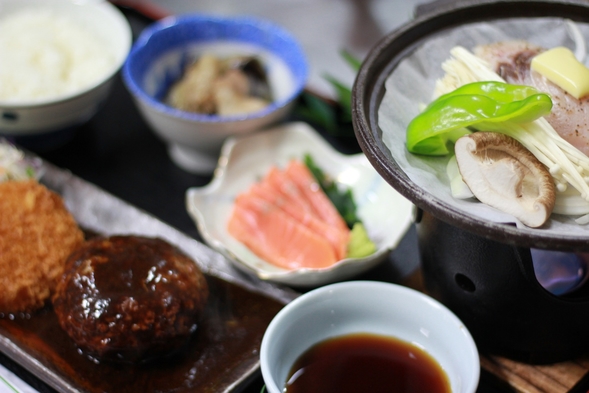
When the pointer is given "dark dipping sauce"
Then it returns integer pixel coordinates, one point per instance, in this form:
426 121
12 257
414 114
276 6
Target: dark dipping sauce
224 349
366 363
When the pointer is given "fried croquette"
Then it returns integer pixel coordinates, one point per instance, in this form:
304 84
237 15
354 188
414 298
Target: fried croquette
37 234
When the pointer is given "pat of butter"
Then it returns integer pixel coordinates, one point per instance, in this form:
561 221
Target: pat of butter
560 66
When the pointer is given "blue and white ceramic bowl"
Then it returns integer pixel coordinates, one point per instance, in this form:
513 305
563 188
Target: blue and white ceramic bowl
165 48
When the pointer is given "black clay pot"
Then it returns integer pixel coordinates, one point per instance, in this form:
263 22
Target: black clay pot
482 271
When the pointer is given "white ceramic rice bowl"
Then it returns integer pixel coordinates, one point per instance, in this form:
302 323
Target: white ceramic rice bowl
39 116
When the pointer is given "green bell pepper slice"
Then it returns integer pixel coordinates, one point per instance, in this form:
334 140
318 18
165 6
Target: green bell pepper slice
447 117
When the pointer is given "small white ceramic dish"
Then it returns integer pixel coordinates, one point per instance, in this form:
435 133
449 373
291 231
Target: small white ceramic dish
35 116
164 50
244 160
369 307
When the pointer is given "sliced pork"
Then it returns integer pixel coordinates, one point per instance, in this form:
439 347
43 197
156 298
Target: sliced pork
569 116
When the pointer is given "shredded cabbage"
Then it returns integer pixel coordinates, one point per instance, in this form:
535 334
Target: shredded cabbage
15 166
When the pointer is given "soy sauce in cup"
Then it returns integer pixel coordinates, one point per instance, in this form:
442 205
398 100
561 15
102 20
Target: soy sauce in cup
366 363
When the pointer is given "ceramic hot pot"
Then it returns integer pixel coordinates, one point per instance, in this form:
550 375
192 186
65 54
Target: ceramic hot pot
483 271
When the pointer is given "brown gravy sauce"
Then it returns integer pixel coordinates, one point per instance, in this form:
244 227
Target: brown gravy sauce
366 363
224 348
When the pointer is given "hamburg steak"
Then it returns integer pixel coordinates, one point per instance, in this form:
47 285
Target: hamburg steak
129 298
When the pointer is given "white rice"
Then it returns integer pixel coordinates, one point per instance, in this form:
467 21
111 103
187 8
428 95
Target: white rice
45 55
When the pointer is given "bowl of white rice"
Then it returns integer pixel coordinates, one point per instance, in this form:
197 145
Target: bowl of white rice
58 62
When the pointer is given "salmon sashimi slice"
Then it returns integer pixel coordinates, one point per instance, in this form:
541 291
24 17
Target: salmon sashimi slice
279 181
276 237
308 186
335 236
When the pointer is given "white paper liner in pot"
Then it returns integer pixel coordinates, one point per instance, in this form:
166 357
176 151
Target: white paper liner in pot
411 84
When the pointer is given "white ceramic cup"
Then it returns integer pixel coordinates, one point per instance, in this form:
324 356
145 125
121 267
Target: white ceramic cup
369 307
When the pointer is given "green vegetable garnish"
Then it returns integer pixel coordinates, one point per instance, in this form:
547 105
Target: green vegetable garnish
360 245
343 92
344 96
473 104
335 118
315 110
343 200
